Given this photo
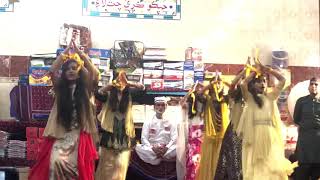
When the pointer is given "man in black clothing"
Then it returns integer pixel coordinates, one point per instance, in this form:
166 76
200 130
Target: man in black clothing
307 117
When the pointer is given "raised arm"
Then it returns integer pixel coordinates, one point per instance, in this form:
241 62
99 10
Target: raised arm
136 85
207 87
244 85
282 80
275 73
237 79
196 88
92 70
104 90
56 65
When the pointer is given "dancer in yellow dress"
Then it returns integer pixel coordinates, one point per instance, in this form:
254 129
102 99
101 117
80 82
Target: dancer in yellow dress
216 121
260 126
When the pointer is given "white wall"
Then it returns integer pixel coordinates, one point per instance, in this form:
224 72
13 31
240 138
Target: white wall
227 30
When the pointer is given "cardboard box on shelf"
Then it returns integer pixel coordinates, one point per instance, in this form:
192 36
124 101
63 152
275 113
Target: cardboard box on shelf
31 132
32 144
40 133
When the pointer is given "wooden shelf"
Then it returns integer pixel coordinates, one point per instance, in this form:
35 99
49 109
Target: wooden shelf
168 93
15 162
15 126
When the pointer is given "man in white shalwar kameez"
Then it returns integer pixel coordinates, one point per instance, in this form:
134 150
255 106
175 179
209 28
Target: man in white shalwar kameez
158 137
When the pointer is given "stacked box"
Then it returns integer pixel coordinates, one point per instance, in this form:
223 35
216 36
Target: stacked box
173 76
32 132
198 66
105 55
135 76
154 53
156 84
188 75
188 79
194 54
198 76
157 65
153 75
32 142
106 78
101 59
138 112
178 66
39 76
40 133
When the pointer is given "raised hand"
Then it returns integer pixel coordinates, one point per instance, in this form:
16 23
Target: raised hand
76 48
122 79
69 47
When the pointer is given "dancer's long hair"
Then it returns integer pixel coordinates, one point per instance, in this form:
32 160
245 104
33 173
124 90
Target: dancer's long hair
65 104
198 98
114 101
254 92
236 94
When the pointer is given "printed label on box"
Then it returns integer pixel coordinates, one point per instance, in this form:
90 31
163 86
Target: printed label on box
152 74
173 66
198 66
153 65
156 84
173 84
172 74
188 65
31 132
188 74
39 76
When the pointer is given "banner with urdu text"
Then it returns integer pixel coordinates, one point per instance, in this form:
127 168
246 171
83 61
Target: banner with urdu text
145 9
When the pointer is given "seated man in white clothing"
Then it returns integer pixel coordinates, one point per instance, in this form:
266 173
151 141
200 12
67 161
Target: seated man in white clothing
158 136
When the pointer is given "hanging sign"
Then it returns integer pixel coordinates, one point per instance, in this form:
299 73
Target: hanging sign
145 9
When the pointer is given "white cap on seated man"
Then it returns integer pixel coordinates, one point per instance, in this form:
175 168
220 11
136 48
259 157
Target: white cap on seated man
158 137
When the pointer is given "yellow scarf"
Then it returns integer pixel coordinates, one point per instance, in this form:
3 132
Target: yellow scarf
193 96
216 91
74 56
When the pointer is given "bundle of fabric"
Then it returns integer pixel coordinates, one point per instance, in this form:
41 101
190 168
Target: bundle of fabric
17 149
3 142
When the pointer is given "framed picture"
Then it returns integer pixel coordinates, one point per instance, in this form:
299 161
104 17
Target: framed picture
142 9
6 6
127 54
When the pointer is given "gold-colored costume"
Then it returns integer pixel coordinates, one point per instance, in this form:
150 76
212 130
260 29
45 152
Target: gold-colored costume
216 124
113 164
114 157
64 154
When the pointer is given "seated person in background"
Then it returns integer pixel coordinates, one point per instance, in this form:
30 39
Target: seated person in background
158 136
